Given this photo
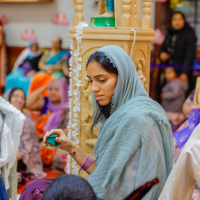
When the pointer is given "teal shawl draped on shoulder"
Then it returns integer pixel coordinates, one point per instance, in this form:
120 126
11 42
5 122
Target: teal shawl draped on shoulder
123 132
55 59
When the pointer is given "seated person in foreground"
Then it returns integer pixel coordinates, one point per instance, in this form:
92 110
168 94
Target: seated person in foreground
173 96
25 67
191 109
52 66
135 143
29 159
182 181
53 114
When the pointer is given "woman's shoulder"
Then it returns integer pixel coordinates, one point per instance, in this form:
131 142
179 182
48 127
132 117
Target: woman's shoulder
189 33
145 127
145 113
143 119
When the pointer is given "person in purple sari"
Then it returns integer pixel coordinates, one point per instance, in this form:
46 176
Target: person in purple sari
53 114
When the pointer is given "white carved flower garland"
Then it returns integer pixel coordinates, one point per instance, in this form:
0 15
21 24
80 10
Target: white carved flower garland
75 69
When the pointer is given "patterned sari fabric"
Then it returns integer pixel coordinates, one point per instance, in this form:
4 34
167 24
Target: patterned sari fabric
40 79
29 150
110 5
3 192
182 134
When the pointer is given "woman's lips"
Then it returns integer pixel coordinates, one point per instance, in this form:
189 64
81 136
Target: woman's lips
99 97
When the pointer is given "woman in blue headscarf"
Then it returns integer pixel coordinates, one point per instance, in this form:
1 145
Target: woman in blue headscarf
25 67
135 142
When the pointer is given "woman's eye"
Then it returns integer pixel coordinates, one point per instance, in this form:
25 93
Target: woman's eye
90 81
102 80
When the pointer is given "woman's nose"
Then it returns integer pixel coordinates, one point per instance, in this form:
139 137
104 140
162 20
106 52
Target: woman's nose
20 101
94 87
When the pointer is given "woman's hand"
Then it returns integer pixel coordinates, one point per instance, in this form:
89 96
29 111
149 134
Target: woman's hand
66 144
80 156
31 73
19 157
195 106
164 56
188 107
48 70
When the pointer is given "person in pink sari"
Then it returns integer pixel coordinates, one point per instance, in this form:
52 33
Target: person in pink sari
2 57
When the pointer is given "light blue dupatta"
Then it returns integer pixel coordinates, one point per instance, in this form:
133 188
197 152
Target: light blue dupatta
123 133
53 60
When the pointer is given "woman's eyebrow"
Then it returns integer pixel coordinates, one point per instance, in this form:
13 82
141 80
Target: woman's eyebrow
98 75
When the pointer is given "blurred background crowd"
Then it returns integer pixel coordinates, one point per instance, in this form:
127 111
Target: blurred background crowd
34 71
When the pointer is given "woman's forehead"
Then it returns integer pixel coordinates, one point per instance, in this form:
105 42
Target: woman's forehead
18 91
94 68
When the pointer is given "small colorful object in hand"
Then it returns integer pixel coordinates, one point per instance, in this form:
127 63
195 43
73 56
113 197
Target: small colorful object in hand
51 142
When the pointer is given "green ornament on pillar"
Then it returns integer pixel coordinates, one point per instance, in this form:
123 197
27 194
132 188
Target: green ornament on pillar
107 19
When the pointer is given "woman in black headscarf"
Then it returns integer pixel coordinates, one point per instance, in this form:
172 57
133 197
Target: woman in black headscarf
179 47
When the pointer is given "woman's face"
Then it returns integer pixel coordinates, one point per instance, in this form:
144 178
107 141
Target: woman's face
54 95
34 47
178 21
103 83
18 99
56 44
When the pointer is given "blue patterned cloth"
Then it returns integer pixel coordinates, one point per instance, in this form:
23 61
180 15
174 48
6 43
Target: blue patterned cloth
183 135
3 192
110 5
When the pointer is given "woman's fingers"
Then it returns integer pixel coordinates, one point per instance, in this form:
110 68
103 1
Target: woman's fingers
58 140
53 131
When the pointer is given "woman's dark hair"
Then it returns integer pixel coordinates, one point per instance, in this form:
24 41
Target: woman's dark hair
186 25
69 187
105 63
60 40
12 92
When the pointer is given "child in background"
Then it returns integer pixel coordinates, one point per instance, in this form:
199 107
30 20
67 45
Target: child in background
173 96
